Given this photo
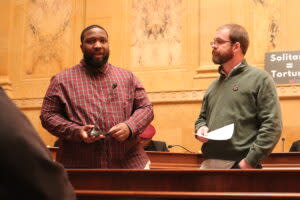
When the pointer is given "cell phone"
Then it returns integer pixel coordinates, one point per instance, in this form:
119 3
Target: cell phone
96 132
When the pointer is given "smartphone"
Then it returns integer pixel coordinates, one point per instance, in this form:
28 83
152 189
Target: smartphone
96 132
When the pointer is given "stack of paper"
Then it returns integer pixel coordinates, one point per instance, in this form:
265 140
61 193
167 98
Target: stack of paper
223 133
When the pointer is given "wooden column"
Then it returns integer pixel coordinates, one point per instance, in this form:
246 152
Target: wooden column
4 44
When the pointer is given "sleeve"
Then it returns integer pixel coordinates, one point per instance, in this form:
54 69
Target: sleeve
28 171
53 116
269 121
201 121
142 109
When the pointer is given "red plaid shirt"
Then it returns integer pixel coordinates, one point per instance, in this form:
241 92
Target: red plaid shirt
76 97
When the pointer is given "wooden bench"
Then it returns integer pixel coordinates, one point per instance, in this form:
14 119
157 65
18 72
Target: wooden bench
144 195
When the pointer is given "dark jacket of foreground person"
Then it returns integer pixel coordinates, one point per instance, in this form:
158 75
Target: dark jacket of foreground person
27 169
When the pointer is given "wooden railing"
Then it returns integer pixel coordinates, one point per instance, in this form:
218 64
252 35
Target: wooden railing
185 184
170 160
177 176
145 195
167 160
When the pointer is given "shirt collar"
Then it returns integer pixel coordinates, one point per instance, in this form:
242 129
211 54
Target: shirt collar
236 70
102 70
222 72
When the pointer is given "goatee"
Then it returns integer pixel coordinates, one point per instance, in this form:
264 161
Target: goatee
222 58
95 63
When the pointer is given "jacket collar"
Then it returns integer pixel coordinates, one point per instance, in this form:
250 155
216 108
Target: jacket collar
238 69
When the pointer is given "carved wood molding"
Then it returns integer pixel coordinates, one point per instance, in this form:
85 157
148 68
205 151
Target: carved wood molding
156 29
288 91
34 103
207 71
284 92
176 96
5 83
155 97
271 18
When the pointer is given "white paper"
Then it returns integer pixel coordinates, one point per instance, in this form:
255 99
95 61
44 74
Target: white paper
223 133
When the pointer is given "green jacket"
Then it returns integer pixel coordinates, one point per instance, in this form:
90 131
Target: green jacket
247 98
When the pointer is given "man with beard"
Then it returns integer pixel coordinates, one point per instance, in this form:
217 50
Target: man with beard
243 95
97 110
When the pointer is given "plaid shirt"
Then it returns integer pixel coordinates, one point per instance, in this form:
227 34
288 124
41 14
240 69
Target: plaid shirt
77 97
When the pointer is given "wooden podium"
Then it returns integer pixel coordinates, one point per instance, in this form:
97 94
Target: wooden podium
92 184
170 160
177 176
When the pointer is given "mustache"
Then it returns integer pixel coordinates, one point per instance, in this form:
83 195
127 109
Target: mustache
95 63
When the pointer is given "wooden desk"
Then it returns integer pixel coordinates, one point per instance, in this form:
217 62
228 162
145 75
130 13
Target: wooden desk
282 160
177 176
170 160
145 195
53 151
186 184
266 180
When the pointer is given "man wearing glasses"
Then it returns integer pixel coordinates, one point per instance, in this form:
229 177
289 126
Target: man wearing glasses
243 95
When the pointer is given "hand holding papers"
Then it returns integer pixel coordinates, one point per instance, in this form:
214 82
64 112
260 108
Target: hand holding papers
223 133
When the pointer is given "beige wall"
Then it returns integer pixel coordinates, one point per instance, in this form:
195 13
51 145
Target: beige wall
165 43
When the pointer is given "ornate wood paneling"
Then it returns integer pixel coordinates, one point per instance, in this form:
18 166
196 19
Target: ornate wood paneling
164 42
157 32
41 44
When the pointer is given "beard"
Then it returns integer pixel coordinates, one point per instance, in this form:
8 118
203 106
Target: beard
221 58
95 63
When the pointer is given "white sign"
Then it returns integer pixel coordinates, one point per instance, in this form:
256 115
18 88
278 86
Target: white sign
284 67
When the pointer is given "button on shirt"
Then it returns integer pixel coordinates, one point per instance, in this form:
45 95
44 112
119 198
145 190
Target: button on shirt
77 97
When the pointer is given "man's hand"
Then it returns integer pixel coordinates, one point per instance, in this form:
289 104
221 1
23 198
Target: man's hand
84 134
203 130
245 165
120 132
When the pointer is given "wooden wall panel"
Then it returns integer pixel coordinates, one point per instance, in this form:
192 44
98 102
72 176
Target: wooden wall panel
165 43
5 14
109 14
44 46
157 33
40 44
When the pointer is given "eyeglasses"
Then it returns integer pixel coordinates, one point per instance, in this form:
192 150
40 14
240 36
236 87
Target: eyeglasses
218 42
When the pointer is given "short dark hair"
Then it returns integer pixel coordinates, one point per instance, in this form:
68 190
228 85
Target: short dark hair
90 27
237 33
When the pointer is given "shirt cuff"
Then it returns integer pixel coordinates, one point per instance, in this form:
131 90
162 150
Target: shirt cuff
73 133
132 127
252 159
197 126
